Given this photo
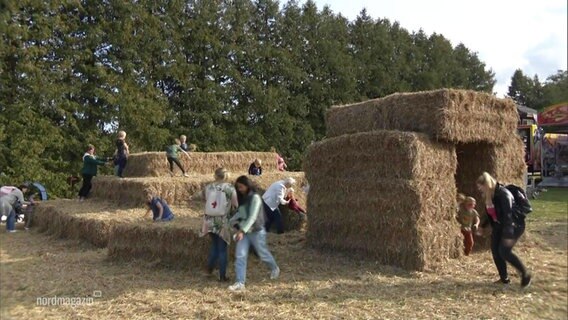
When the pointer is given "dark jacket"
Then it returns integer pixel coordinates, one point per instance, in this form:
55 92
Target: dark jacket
90 164
503 202
254 170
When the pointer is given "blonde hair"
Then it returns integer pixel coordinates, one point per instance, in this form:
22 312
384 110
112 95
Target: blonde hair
183 137
490 183
470 200
258 162
461 197
176 141
221 174
121 134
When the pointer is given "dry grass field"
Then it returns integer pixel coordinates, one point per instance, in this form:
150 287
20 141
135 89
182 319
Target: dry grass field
313 285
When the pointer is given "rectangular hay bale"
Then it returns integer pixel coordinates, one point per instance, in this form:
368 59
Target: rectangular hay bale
406 223
154 164
381 154
458 116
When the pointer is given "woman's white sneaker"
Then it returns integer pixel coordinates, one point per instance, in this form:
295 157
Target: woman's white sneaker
237 287
275 274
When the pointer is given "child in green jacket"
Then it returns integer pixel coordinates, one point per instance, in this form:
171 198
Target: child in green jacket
90 168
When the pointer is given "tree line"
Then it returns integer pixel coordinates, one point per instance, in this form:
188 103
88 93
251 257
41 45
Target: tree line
536 94
231 75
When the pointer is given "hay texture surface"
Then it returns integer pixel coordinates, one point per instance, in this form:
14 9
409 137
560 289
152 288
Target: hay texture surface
154 164
386 195
457 116
176 190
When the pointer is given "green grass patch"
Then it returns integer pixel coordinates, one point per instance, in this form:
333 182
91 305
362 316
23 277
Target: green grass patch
552 204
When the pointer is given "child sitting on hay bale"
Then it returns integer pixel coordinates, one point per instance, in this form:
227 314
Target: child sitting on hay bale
468 219
160 209
293 203
255 168
172 153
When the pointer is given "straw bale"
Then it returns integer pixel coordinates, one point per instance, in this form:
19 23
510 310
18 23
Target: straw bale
54 222
154 164
381 154
458 116
168 243
177 190
407 223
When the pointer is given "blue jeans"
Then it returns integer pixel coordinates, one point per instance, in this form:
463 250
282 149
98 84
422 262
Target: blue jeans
11 221
273 216
258 241
218 252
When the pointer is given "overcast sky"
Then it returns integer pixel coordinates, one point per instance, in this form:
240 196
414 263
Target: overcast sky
507 34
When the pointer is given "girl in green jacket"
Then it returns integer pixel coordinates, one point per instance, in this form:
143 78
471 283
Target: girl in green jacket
90 164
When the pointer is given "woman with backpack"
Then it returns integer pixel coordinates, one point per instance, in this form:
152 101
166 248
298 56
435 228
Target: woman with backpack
506 227
220 199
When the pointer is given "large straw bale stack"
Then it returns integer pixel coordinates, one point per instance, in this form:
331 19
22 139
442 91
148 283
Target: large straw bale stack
387 195
457 116
154 164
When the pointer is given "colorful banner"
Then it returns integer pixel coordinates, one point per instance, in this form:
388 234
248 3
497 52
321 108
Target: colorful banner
555 115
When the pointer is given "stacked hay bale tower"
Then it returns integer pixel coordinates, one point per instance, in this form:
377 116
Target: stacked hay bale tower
384 182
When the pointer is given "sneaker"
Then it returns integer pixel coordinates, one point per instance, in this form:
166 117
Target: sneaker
27 228
12 231
223 279
526 281
237 287
501 281
186 175
275 274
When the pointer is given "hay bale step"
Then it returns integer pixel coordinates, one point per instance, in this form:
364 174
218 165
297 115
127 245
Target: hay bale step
458 116
154 164
176 191
61 225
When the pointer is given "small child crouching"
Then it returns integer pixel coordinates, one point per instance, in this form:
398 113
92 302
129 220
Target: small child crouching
293 203
160 209
469 221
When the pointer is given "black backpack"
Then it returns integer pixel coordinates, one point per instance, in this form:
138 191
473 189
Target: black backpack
521 205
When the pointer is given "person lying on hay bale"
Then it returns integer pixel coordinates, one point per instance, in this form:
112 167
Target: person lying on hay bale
249 225
293 203
273 197
220 200
507 227
160 209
